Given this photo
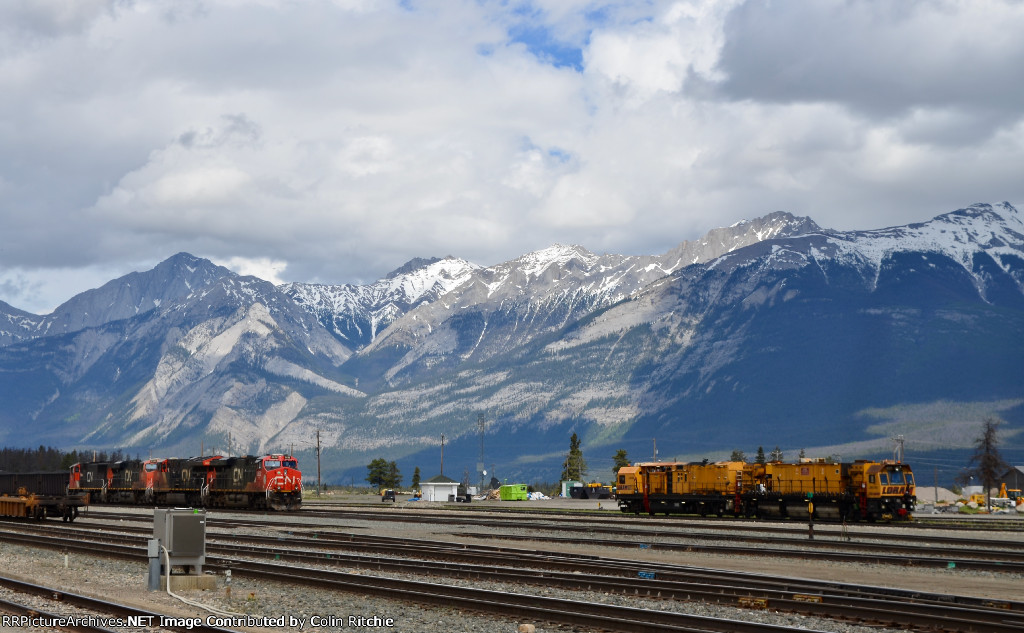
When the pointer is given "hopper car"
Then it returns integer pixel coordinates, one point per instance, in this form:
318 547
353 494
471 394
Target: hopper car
39 495
268 482
860 490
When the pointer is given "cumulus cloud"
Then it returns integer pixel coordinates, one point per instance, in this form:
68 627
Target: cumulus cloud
331 141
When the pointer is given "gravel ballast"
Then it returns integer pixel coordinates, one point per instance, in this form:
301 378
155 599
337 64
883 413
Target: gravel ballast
125 582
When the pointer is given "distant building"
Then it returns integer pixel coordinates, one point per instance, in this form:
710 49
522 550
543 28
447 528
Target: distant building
439 488
1013 478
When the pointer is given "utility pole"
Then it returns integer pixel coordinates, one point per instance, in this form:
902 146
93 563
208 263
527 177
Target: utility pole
897 453
442 454
318 485
482 426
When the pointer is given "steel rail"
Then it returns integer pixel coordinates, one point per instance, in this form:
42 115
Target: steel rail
591 523
1003 560
918 521
948 562
921 613
867 554
605 617
18 609
819 599
99 605
594 614
668 527
516 557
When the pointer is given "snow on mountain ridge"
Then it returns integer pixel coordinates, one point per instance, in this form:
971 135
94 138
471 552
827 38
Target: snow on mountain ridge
960 234
536 262
408 287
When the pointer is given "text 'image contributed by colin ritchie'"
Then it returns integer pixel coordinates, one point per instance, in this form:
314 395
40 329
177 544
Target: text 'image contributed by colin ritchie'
284 622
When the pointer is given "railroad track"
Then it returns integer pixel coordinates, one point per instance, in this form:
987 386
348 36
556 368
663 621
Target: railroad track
76 612
870 553
904 609
622 524
598 616
919 521
990 554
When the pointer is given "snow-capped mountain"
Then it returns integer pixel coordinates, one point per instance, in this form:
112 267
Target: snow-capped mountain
506 306
772 331
357 314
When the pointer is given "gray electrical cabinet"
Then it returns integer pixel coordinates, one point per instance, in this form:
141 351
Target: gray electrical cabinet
183 532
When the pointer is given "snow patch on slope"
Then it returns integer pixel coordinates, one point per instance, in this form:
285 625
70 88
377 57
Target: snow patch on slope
198 353
282 367
249 430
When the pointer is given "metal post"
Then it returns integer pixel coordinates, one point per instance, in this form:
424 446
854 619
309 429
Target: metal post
153 551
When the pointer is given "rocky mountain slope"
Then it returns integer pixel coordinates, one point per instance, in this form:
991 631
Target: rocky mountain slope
769 332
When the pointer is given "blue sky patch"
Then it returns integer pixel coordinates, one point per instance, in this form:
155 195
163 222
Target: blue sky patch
540 41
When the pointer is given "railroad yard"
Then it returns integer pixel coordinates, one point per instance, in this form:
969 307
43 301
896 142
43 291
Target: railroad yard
354 563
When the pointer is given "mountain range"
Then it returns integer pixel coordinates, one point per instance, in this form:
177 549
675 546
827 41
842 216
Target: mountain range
770 332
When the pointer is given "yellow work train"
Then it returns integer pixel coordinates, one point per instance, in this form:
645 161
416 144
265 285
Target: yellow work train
860 490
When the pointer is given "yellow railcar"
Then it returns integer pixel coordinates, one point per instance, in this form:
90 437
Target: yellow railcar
857 490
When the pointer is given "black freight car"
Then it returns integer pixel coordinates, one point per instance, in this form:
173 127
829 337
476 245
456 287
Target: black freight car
38 495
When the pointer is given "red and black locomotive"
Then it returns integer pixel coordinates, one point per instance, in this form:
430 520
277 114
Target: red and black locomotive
268 482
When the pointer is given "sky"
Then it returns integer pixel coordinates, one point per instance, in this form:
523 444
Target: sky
332 141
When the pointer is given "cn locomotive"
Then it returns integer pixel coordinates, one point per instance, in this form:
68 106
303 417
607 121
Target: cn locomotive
859 490
271 482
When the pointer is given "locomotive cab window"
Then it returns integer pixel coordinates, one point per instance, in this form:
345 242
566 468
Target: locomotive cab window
896 477
622 479
871 479
883 478
151 468
271 464
291 463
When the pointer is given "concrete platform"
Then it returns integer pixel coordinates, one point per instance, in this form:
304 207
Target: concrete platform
186 583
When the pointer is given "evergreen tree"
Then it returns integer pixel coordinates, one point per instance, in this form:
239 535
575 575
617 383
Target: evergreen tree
378 473
394 477
575 466
760 456
416 478
738 456
69 460
987 464
776 455
620 459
